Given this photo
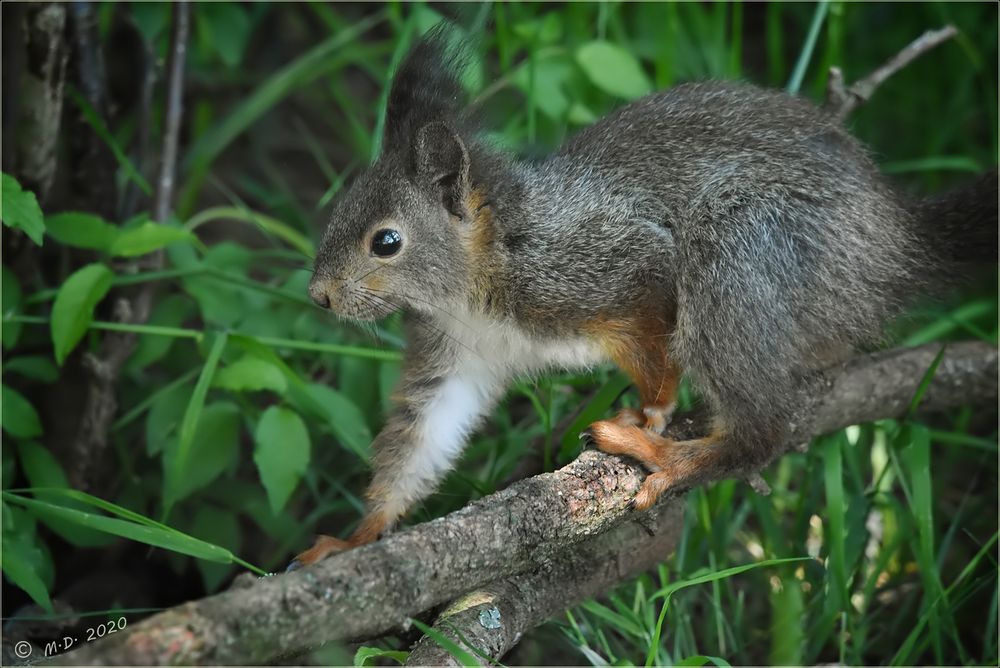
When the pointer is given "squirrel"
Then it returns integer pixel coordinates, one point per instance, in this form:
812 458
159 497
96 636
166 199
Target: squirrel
735 234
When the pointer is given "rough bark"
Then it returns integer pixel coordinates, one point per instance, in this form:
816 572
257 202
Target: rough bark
40 88
491 620
545 522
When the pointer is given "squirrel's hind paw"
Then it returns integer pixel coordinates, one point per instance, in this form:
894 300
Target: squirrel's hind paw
671 463
323 547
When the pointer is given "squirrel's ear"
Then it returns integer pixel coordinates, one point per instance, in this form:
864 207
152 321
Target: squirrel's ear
442 161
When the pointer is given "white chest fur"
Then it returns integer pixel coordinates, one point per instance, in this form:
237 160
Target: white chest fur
503 349
488 354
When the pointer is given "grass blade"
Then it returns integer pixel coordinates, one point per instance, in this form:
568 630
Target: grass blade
799 73
177 467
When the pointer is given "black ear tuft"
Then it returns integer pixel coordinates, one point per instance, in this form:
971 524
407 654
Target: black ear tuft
426 86
442 162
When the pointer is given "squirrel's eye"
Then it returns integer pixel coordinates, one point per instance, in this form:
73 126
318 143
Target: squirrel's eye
386 242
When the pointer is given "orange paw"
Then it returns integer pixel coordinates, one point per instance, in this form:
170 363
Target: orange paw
671 463
370 529
323 547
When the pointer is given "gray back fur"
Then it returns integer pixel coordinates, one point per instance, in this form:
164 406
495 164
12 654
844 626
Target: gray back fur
749 217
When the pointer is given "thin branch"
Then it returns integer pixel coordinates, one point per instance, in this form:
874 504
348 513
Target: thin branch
174 111
842 101
537 523
101 402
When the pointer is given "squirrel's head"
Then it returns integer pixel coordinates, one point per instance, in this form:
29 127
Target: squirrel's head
405 233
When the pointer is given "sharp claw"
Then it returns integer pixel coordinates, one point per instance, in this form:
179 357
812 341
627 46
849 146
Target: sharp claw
631 504
294 565
587 437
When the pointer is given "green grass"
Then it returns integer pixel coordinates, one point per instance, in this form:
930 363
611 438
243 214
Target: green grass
897 519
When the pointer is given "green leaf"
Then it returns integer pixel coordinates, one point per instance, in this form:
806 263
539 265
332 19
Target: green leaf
546 89
19 567
165 416
73 309
20 209
34 367
147 238
19 417
81 230
151 18
40 466
20 531
170 311
344 418
222 528
177 464
613 69
213 450
169 539
281 453
44 471
10 294
251 373
226 27
365 654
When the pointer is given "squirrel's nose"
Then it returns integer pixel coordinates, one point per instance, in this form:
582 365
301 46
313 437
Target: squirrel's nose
319 296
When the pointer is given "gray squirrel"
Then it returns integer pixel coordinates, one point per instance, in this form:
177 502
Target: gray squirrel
731 233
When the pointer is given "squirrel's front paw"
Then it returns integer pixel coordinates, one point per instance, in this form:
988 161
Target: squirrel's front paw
657 418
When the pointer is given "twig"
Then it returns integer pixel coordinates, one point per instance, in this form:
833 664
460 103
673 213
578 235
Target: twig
174 111
541 521
101 402
842 101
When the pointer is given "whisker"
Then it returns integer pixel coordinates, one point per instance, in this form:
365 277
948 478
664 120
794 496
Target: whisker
429 303
372 271
426 322
317 272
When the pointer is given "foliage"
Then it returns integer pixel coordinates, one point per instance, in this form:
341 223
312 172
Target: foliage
245 414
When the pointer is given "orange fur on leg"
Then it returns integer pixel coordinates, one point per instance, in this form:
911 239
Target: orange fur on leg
640 348
372 525
671 462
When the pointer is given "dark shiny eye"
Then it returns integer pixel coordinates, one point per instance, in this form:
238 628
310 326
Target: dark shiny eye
387 242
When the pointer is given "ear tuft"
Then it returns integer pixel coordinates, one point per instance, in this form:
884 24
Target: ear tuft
442 161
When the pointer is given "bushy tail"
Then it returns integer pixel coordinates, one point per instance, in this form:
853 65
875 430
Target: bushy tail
962 223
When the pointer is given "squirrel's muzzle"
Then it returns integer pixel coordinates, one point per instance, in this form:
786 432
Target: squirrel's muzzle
318 293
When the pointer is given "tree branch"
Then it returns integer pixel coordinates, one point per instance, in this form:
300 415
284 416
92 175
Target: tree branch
491 620
545 522
842 101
